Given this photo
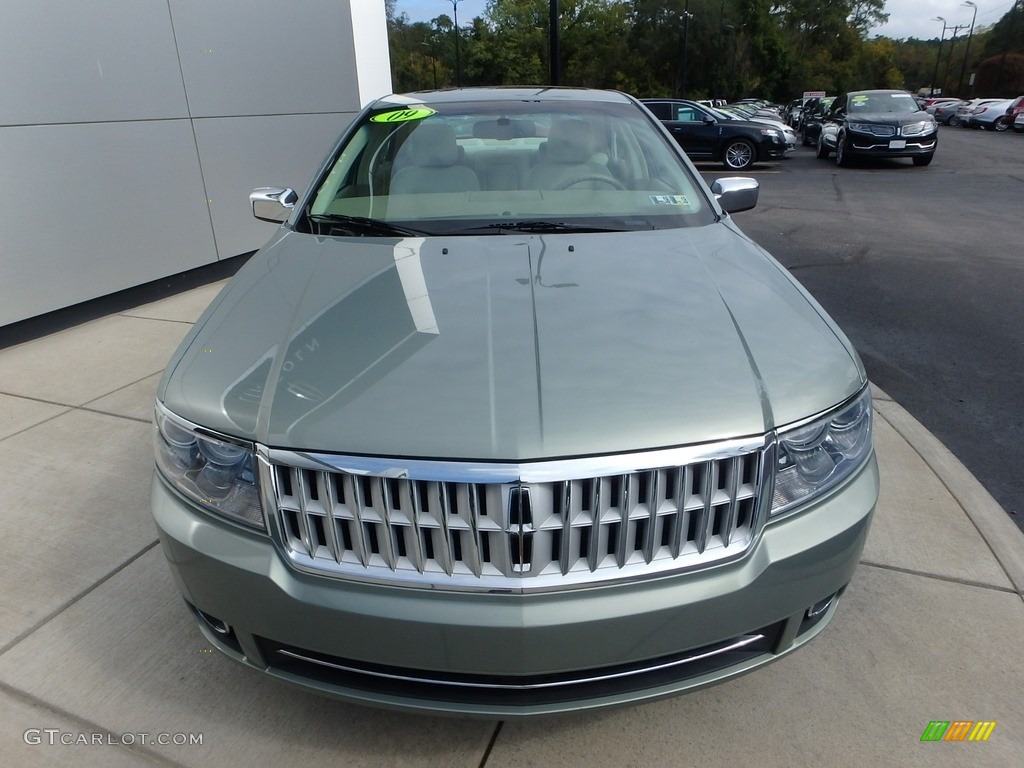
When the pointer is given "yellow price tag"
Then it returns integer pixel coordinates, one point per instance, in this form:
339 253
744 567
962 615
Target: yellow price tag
403 115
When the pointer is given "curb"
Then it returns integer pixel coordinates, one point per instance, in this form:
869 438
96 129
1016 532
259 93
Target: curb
1004 539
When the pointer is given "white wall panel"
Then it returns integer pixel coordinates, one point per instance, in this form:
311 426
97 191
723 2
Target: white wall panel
117 176
95 208
267 58
371 45
66 61
241 153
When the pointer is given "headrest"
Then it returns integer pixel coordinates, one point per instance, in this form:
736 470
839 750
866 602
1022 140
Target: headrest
433 144
570 141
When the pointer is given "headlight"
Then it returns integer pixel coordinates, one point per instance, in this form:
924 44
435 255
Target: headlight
918 129
815 458
218 474
769 132
863 128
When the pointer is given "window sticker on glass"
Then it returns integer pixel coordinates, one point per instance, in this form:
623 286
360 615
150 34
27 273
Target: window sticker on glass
859 101
670 200
403 115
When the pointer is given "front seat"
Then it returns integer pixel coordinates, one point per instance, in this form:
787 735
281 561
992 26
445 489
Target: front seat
433 158
567 157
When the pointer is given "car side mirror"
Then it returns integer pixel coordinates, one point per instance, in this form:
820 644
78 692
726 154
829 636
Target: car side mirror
273 204
709 120
736 193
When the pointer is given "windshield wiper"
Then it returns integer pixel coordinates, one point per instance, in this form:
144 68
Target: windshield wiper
339 223
501 227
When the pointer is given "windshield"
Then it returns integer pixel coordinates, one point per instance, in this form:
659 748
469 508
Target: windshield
477 167
883 103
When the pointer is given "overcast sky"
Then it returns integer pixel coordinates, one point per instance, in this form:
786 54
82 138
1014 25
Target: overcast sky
907 18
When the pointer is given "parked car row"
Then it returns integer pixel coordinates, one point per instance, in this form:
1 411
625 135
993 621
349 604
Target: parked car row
989 113
732 138
870 123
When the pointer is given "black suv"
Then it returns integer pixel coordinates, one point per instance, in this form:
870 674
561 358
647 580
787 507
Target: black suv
810 119
706 134
877 124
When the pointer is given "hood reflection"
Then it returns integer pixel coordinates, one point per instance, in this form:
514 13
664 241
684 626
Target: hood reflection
395 318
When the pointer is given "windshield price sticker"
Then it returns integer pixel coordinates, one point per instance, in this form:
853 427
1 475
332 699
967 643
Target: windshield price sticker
403 115
859 100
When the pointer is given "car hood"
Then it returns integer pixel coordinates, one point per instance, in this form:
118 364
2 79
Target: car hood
509 348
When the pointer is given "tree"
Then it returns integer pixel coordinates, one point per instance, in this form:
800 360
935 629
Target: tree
768 48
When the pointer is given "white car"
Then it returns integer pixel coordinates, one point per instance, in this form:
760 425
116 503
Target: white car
967 108
989 116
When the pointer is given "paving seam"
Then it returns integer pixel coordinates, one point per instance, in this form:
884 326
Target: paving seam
80 596
939 577
68 408
161 319
136 419
87 726
490 744
1004 539
42 400
123 386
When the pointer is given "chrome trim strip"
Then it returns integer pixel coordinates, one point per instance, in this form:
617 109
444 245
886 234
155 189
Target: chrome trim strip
526 472
741 642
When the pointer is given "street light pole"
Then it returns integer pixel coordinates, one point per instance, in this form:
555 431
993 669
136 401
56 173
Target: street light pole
458 60
553 42
686 31
735 46
938 56
967 51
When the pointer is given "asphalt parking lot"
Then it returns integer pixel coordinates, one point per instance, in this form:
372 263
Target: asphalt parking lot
924 269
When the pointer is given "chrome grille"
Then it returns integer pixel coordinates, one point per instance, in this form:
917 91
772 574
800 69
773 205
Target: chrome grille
876 130
389 524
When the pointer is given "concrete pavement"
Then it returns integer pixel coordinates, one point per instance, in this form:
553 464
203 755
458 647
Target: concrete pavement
96 647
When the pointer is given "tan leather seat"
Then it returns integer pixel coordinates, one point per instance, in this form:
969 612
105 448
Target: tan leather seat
568 156
433 163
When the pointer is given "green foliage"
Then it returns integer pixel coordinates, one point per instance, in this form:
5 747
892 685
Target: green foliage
774 49
1001 76
1007 35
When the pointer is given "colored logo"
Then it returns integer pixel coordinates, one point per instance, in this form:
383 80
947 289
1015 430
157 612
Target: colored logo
958 730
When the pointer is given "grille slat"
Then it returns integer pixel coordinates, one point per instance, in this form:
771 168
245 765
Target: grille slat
567 540
530 534
335 543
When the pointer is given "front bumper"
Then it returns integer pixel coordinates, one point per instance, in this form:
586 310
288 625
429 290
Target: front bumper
502 655
866 145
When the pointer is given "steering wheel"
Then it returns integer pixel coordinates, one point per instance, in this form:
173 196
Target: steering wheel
611 182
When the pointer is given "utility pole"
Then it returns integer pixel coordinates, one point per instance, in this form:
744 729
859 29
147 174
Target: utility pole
967 51
938 56
949 56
